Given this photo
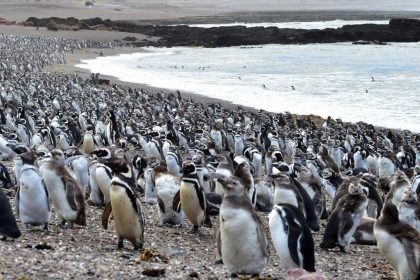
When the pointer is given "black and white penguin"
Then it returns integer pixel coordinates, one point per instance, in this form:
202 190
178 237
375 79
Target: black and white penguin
32 198
103 173
398 242
5 180
345 218
88 145
241 239
193 199
292 238
65 191
8 225
125 206
112 131
95 194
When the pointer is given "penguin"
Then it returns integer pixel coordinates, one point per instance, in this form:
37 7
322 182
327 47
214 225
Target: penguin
125 206
192 198
399 182
326 160
103 173
415 180
5 180
241 239
88 145
345 219
32 198
8 225
398 242
65 191
225 168
364 232
80 166
95 194
264 195
407 209
243 171
292 238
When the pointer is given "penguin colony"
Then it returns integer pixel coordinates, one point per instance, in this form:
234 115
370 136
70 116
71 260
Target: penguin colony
74 144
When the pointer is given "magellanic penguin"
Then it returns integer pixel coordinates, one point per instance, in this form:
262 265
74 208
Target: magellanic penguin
292 237
125 206
8 226
346 217
103 172
399 182
193 198
241 240
364 233
32 198
65 191
399 243
243 171
88 143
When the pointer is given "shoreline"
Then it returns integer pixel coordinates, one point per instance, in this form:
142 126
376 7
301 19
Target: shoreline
75 58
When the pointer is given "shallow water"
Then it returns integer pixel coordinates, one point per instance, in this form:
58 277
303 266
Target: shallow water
329 79
298 25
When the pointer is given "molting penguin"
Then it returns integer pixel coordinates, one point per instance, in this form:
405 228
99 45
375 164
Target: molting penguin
32 201
398 242
8 226
292 237
193 199
407 209
399 182
125 206
243 171
241 239
346 217
65 191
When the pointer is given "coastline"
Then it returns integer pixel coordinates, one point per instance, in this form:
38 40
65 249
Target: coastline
75 58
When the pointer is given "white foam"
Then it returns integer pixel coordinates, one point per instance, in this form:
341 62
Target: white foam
338 23
330 79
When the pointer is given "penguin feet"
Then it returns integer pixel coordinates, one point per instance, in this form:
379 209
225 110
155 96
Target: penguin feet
120 244
194 230
138 247
344 249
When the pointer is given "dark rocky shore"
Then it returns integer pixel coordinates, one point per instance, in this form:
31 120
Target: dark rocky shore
398 30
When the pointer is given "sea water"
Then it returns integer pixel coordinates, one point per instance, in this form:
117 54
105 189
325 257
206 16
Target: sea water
378 84
297 25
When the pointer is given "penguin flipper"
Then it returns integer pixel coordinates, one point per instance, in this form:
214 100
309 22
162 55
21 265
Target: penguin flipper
106 214
176 203
293 237
219 243
261 238
18 199
410 253
345 224
47 194
70 196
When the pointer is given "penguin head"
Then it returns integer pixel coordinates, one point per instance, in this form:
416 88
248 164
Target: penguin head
188 168
104 153
231 185
389 214
356 188
18 148
118 166
409 196
57 155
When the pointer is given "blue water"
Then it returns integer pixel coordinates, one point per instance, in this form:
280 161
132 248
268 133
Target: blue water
329 79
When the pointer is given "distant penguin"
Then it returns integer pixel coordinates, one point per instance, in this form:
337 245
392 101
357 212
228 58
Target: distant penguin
193 199
65 191
241 239
345 219
125 206
398 242
88 143
292 238
32 198
8 226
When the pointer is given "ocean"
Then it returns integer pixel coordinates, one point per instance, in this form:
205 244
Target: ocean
378 84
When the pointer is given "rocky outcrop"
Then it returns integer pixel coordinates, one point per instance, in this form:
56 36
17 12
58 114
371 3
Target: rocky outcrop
398 30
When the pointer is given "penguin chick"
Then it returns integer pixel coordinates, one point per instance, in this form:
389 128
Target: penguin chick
398 242
125 206
346 217
64 189
364 232
407 209
292 238
8 226
241 240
